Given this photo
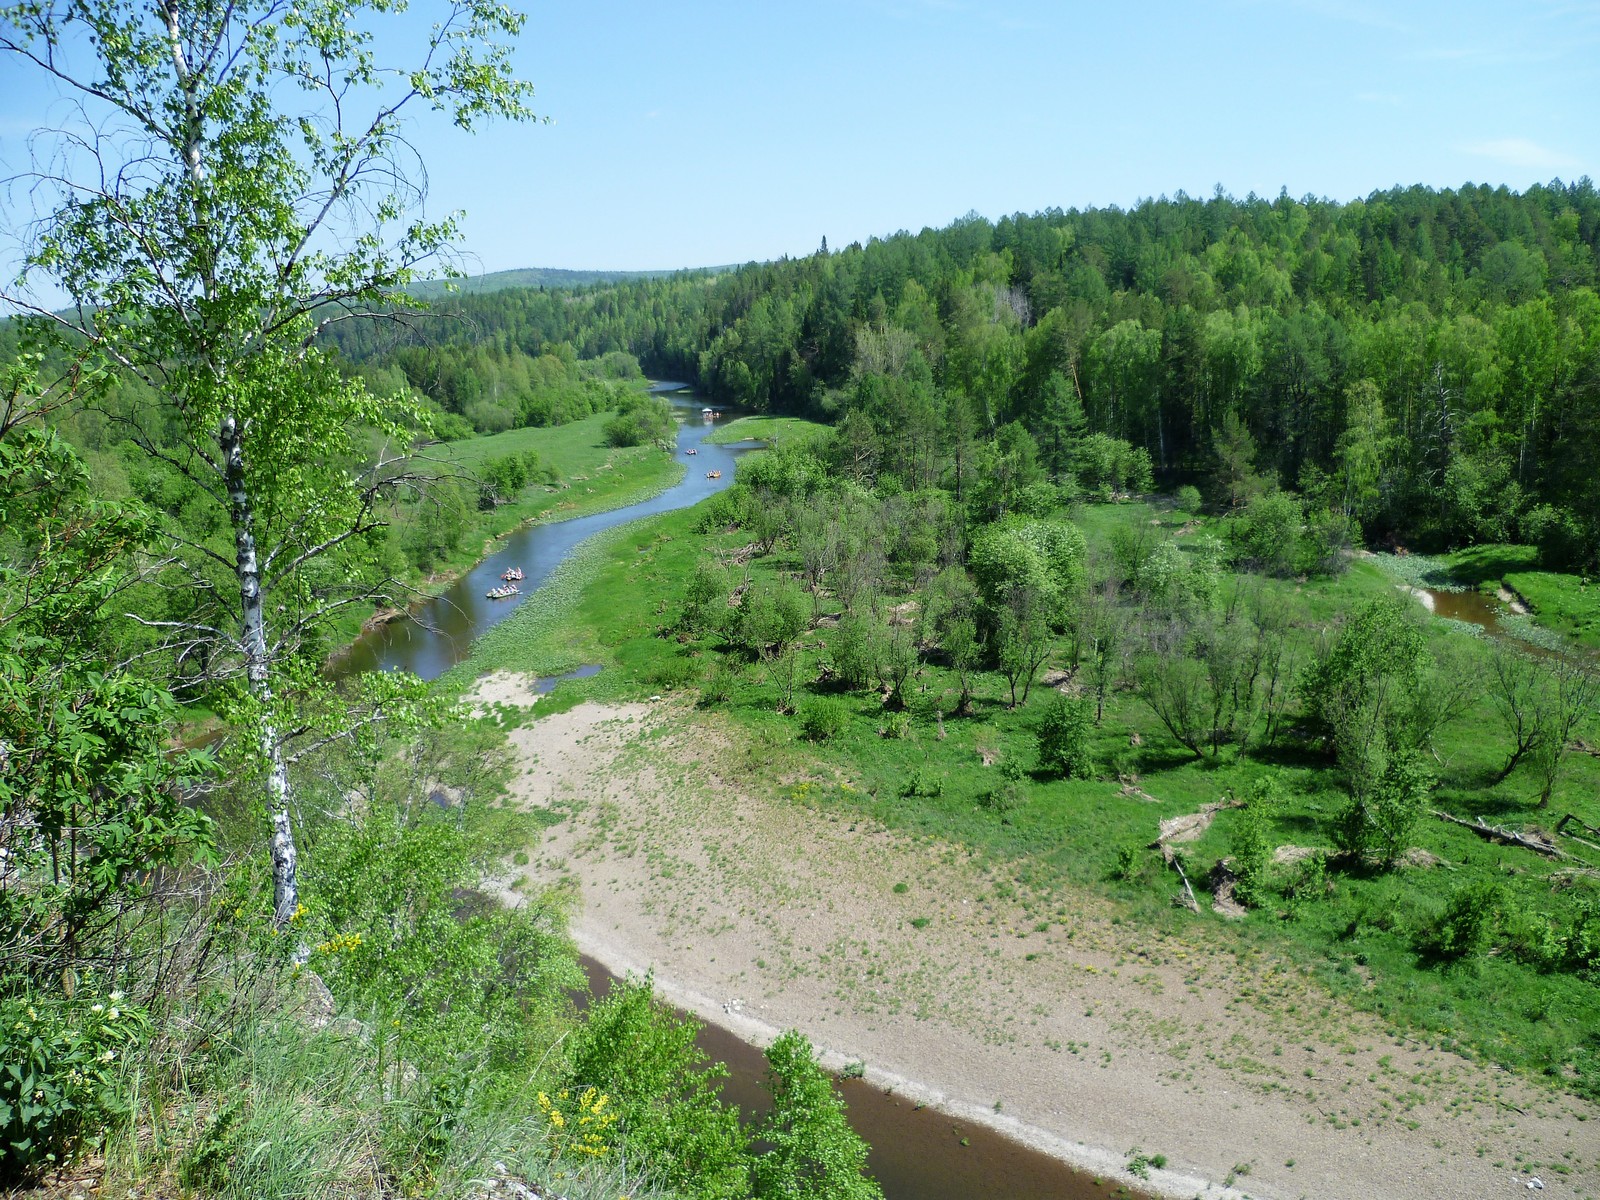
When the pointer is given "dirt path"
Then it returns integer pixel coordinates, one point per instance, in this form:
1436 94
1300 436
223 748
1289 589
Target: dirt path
1090 1036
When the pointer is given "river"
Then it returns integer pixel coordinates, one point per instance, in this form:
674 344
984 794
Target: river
917 1153
438 633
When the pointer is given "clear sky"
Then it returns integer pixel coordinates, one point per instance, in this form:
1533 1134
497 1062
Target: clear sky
689 134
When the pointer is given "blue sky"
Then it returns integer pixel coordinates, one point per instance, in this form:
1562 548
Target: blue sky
696 134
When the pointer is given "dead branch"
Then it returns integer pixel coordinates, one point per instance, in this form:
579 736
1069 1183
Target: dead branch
1503 836
1570 818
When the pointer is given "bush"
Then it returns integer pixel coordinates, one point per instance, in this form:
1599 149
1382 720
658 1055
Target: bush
1188 499
503 477
1252 846
1039 499
771 616
1108 465
666 1091
896 725
1467 923
1064 736
705 600
641 421
1379 824
1329 536
812 1149
822 717
673 673
1308 884
1130 864
1007 797
854 648
61 1063
1267 534
1561 538
717 687
729 508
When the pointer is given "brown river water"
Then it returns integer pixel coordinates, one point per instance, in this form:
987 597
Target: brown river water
918 1153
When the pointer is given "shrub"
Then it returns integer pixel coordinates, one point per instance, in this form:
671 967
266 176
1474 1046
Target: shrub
705 600
1252 852
1064 736
1308 884
730 507
1130 863
1378 824
1007 797
1267 534
1188 499
673 673
1467 922
666 1091
1561 538
924 781
717 687
822 717
60 1074
641 421
896 725
854 648
1329 536
770 617
812 1149
1038 499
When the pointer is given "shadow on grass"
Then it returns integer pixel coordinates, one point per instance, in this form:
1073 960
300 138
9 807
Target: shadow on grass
1483 564
1154 760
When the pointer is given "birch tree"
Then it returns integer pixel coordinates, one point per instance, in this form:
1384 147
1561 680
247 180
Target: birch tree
226 180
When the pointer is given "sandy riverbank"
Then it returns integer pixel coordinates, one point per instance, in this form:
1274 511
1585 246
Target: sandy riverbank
1086 1038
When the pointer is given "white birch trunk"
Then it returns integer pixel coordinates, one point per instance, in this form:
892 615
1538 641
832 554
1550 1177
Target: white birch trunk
285 893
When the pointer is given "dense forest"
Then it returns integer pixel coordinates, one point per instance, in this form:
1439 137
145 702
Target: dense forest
1425 362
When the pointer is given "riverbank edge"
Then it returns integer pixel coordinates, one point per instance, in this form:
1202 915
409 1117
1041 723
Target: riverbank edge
1100 1161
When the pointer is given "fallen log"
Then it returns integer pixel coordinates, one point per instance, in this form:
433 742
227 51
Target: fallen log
1175 861
1571 819
1508 837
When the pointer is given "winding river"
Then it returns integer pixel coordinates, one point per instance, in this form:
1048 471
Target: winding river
438 633
917 1153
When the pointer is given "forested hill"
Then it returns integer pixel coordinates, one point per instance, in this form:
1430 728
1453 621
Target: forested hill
1428 360
531 277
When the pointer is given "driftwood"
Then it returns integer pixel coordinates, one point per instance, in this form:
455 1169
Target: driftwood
1503 836
1175 861
1185 829
1570 819
1222 883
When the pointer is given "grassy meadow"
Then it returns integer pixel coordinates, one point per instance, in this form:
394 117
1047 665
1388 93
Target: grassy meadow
592 476
772 430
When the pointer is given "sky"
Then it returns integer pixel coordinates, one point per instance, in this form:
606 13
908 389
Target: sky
693 134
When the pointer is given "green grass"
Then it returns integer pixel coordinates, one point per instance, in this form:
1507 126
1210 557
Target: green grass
1569 604
594 477
617 600
771 430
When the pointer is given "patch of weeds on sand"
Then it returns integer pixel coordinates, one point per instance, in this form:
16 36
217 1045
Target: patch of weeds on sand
1140 1163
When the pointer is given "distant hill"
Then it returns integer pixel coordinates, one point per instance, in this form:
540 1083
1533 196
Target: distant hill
533 277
